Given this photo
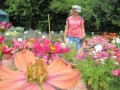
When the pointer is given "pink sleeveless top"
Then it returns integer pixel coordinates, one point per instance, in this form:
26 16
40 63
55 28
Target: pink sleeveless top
74 26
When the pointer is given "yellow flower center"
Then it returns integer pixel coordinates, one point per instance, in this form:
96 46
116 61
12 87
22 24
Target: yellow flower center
52 47
32 40
37 72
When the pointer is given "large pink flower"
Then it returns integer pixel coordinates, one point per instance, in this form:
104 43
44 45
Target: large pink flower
34 75
48 47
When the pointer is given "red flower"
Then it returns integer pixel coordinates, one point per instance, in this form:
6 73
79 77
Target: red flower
5 25
2 38
6 50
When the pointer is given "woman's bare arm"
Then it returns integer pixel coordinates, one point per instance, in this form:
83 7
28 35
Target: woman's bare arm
65 33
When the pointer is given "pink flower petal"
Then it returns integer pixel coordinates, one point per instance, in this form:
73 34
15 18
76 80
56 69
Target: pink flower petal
6 73
29 86
62 75
58 65
11 84
10 78
23 58
64 80
47 86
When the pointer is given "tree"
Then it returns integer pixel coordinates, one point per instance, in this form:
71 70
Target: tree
28 13
99 15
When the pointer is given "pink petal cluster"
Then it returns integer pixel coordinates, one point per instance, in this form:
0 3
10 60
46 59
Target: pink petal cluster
19 44
42 48
117 55
81 55
116 72
2 38
6 50
102 54
5 26
45 47
108 49
97 40
100 40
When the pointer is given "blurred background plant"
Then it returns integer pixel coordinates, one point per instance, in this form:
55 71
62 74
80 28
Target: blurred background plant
99 16
70 56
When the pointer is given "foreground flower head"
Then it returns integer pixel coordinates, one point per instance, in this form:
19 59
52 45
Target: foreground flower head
32 74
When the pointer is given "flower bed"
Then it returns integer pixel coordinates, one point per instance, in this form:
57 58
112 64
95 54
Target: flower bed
43 64
99 65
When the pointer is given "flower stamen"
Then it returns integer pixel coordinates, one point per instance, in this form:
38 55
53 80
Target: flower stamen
36 72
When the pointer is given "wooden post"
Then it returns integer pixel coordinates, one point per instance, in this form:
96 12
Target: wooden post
49 26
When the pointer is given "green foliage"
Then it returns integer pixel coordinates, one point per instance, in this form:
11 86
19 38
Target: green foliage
98 14
98 76
70 56
28 13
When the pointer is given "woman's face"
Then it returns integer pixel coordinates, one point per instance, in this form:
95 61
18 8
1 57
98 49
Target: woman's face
76 13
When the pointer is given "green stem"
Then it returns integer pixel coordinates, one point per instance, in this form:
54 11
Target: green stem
1 51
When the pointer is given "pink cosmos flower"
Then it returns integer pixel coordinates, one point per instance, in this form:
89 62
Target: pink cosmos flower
116 72
48 47
117 54
20 44
6 50
2 38
5 26
81 55
32 74
101 54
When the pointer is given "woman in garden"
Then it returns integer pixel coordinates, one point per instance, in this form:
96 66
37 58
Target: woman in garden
74 29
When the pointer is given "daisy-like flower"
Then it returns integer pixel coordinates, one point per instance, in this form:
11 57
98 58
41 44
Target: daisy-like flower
48 47
32 74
